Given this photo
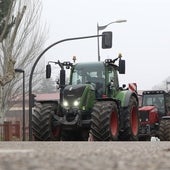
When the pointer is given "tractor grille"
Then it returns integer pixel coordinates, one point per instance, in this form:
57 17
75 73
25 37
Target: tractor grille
71 93
70 117
144 116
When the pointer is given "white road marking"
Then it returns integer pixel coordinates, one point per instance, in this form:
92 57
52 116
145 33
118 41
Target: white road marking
16 150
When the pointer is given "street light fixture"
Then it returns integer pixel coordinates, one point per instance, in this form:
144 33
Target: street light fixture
102 28
23 102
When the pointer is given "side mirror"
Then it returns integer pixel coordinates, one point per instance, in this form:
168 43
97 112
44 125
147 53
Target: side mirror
123 86
48 71
62 77
107 40
122 66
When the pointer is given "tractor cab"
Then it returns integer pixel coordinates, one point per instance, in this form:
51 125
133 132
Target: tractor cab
157 99
102 75
155 107
90 73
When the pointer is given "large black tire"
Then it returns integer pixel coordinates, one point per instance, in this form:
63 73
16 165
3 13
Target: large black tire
105 122
164 130
131 121
42 122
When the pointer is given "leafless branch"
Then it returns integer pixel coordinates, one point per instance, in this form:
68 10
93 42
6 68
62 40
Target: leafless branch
6 22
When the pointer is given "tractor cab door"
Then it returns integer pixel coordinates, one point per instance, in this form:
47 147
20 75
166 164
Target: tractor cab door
98 79
111 81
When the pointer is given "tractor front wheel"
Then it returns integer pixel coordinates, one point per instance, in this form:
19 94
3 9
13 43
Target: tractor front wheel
105 121
42 121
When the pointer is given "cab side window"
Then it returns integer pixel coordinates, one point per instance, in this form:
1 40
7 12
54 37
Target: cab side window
113 78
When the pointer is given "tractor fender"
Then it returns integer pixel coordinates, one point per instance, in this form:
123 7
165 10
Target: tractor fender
124 97
117 101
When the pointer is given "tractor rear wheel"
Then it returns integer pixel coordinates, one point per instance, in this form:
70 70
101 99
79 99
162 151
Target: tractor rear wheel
131 121
42 122
105 122
164 130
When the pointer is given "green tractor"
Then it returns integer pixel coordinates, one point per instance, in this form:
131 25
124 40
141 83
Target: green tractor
92 105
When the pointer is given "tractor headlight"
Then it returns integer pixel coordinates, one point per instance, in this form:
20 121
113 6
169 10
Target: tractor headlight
65 103
76 103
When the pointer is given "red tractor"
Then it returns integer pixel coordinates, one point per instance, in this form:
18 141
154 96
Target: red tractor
155 115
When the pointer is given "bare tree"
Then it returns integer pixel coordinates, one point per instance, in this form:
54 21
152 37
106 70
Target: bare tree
19 48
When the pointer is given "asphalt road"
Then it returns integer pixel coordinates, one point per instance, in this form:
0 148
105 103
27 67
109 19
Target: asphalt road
85 155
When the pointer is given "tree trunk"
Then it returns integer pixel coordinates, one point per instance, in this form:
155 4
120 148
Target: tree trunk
1 107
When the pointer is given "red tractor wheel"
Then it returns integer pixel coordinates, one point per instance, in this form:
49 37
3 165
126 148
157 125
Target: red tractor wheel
134 121
114 123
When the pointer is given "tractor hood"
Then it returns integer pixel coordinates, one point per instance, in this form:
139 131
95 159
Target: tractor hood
148 115
147 108
72 91
78 96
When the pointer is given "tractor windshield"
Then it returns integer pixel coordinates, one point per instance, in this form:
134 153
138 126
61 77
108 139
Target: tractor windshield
89 73
155 100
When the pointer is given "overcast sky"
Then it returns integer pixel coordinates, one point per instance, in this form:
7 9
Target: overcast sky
144 40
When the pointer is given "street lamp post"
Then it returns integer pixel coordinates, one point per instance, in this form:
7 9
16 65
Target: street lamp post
23 101
102 28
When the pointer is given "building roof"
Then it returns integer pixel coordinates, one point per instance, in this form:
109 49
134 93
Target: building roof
47 96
